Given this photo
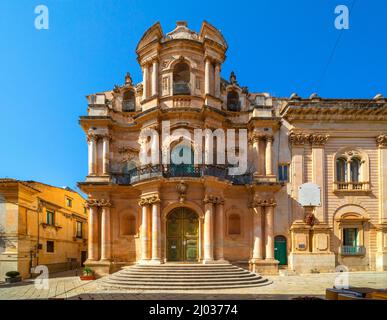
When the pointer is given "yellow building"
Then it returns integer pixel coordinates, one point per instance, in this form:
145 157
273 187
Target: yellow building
40 225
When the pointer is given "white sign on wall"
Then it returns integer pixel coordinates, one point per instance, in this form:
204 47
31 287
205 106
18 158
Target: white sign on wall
309 194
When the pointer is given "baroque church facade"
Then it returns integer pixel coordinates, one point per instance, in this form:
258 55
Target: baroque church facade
199 213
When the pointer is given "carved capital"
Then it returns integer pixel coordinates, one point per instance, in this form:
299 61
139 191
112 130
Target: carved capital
298 138
98 203
154 199
269 137
209 199
318 139
381 140
258 202
91 136
143 202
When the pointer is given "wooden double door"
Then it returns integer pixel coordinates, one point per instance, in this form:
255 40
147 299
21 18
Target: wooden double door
182 235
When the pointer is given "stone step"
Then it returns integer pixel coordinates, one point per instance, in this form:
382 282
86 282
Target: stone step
186 284
183 276
184 287
191 276
183 280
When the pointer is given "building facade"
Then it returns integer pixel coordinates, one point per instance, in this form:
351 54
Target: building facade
198 211
41 225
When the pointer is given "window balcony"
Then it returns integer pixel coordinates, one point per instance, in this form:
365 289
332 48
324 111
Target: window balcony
352 250
351 186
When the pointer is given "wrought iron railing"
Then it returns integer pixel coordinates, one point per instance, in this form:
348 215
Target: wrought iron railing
175 171
352 250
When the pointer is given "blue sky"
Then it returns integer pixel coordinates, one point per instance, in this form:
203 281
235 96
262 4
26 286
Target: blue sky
274 46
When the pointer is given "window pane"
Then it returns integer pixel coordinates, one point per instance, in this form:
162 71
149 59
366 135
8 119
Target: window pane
355 170
341 171
350 237
50 246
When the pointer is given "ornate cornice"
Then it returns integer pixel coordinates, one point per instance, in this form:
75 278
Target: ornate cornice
381 140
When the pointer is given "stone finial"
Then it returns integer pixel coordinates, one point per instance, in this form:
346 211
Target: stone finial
378 97
128 79
233 79
294 96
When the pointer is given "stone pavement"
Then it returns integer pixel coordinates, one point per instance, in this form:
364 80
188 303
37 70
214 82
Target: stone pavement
66 285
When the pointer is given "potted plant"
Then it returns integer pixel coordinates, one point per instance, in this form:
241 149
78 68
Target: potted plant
88 274
12 277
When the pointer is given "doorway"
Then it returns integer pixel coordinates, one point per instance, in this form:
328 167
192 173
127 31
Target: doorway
280 251
182 235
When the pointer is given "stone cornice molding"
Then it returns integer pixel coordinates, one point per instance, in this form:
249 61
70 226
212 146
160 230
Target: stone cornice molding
381 140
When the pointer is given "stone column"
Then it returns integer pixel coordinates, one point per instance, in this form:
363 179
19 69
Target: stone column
156 229
268 156
145 252
255 138
257 232
208 229
155 76
105 154
92 153
219 230
93 231
318 142
105 231
145 82
217 80
207 76
269 232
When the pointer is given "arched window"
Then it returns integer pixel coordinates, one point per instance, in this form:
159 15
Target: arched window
351 170
341 170
234 224
128 225
128 101
233 103
181 79
355 169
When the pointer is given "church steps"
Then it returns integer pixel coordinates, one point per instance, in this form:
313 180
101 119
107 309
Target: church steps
181 276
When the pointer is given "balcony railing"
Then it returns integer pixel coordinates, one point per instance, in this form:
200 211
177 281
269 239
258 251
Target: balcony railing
350 186
175 171
352 250
181 89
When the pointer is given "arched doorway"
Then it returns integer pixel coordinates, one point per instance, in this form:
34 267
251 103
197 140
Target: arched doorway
182 235
280 251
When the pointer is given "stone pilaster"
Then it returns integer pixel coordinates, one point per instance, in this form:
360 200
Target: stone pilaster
156 229
318 142
155 76
219 229
92 230
269 156
207 76
106 153
209 202
145 82
257 233
105 231
145 223
92 153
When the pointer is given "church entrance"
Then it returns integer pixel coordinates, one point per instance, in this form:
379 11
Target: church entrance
182 235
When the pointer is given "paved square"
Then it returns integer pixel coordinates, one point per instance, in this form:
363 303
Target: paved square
66 285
